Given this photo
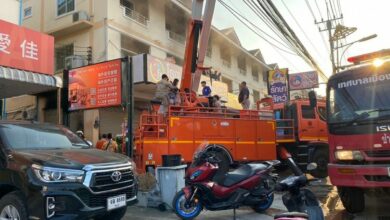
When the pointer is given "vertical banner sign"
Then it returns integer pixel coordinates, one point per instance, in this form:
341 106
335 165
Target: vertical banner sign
306 80
25 49
277 85
95 86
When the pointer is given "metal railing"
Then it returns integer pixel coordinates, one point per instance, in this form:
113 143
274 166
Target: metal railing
135 16
242 71
176 37
226 63
285 130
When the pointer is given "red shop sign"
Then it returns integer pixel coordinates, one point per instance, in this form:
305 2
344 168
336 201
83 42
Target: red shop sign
25 49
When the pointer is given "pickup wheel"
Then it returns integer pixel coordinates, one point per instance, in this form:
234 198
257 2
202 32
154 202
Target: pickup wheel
12 206
352 198
113 215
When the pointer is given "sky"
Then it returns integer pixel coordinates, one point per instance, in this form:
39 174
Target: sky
369 17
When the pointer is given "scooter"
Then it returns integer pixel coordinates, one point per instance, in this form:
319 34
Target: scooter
250 185
301 203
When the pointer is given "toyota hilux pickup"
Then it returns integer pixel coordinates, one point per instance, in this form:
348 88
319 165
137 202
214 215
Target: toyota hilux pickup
48 172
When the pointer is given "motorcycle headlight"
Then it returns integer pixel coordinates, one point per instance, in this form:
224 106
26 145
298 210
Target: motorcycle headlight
349 155
57 175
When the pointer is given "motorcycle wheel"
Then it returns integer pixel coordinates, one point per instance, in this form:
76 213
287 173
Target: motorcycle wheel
183 210
264 204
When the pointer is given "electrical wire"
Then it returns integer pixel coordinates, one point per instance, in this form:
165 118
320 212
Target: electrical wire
302 30
255 32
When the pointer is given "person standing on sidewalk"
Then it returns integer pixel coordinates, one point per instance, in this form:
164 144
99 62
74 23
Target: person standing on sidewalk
111 144
101 142
243 97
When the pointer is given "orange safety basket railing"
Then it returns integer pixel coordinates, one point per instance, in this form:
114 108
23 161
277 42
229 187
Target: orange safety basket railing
285 130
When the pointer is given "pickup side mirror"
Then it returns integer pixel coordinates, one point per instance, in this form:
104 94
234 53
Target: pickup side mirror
313 99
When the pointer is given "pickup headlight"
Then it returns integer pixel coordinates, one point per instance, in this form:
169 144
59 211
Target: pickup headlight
57 175
349 155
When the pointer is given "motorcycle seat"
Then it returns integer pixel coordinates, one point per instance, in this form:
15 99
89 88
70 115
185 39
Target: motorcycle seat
241 173
292 215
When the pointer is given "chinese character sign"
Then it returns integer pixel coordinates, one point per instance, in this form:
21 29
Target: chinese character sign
157 67
25 49
306 80
95 86
277 85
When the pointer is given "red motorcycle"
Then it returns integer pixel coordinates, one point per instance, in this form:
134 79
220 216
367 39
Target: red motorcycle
250 184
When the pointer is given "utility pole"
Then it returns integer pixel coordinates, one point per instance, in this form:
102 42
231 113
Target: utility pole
329 28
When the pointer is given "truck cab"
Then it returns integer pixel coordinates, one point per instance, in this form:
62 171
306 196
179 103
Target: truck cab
358 106
302 130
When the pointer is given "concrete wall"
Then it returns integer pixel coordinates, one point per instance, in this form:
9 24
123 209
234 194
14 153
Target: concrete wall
9 11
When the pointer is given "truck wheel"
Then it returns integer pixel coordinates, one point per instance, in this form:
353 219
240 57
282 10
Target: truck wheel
12 206
113 215
352 198
322 159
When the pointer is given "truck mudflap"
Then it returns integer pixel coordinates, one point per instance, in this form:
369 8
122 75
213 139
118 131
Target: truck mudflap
362 176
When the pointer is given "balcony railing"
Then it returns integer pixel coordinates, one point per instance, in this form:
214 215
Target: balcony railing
242 71
176 37
135 16
226 63
255 77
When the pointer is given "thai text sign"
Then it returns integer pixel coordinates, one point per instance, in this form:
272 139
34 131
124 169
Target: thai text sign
25 49
306 80
277 85
95 86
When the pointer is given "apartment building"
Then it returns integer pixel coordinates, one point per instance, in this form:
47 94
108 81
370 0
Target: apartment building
93 31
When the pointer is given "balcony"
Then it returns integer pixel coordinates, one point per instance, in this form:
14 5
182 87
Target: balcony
176 37
76 22
226 63
242 71
135 16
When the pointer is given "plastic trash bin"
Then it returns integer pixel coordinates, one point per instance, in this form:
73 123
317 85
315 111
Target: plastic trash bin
170 180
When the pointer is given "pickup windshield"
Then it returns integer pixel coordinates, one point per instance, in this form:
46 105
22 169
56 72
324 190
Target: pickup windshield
34 136
359 99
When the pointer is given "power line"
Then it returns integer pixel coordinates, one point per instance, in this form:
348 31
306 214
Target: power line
314 17
238 18
318 8
302 30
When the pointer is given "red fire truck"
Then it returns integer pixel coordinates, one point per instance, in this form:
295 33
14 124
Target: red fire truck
358 106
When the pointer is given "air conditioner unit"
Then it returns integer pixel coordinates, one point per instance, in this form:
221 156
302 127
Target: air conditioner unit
80 16
75 61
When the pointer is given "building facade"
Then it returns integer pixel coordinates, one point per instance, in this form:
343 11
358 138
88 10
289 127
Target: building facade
92 31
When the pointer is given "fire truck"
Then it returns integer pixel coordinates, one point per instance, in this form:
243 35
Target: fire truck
234 135
358 117
301 129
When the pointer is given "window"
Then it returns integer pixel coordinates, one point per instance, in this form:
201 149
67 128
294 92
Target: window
308 112
127 4
27 12
61 53
64 6
322 113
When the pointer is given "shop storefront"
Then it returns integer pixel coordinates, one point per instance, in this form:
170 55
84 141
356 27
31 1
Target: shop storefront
26 65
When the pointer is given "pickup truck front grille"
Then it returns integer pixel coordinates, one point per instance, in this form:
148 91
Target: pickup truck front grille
102 181
100 200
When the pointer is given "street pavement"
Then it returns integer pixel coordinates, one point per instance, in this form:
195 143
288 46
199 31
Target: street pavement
377 207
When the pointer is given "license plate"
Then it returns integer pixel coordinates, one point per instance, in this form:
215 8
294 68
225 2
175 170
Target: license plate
116 202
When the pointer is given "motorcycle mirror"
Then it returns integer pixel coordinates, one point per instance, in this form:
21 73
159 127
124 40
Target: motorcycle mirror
311 166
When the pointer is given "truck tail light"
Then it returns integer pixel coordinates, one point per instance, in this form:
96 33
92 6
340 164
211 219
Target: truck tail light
50 207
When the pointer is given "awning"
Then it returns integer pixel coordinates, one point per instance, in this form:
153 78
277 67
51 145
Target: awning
15 82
